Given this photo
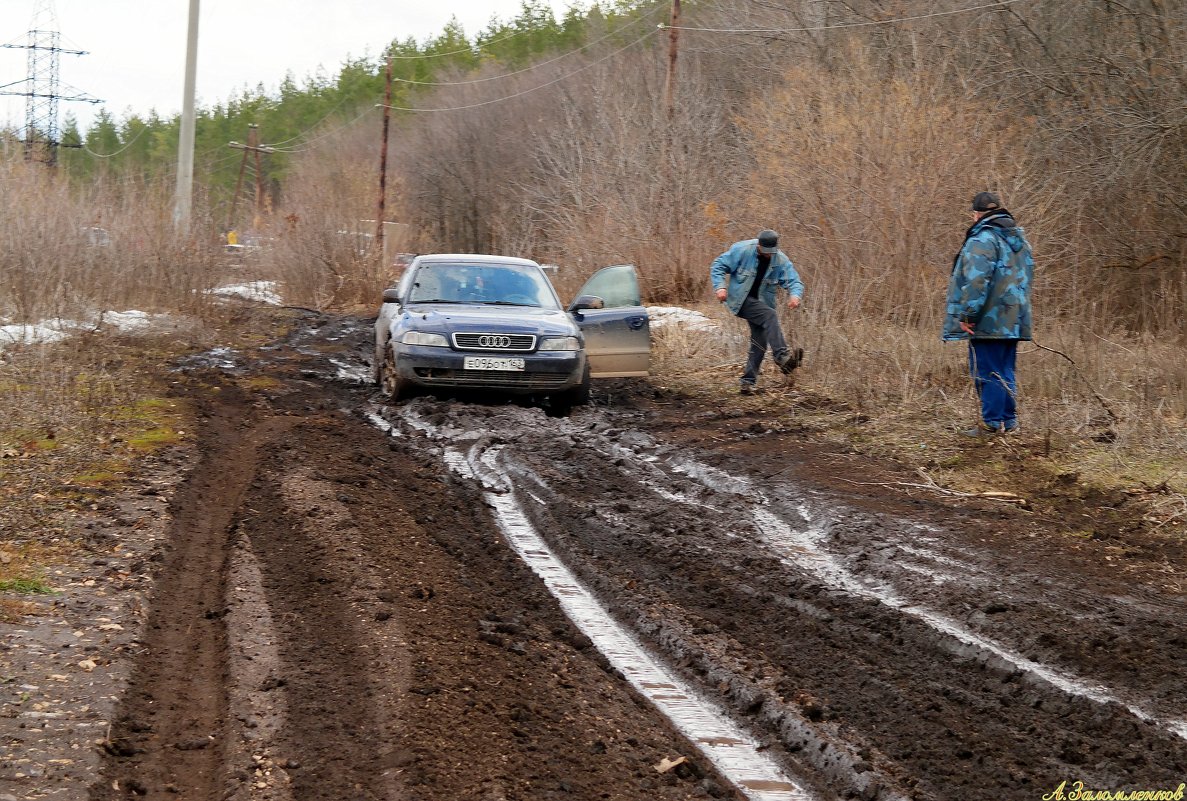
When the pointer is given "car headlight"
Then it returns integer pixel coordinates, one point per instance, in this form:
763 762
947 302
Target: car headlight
560 343
421 338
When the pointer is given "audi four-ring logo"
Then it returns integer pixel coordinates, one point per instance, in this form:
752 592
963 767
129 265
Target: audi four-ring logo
494 341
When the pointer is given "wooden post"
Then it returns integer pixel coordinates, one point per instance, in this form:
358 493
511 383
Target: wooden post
673 40
387 113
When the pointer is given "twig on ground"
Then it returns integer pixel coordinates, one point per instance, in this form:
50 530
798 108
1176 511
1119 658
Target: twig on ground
910 485
1113 418
989 495
1160 515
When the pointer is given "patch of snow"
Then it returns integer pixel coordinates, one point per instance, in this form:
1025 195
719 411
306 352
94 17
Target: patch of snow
131 320
48 331
352 373
36 334
261 291
661 316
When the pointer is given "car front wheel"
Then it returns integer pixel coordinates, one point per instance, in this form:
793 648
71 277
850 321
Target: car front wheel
391 386
564 402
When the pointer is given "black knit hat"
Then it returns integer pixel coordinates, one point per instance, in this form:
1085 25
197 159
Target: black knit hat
768 241
986 201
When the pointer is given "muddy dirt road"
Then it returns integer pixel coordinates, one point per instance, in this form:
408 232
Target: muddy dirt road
645 600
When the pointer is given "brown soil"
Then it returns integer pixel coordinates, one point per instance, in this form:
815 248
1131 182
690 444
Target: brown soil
334 613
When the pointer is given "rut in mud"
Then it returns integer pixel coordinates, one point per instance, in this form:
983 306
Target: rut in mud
344 612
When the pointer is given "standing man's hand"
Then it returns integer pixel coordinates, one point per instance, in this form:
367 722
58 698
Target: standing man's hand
967 327
793 302
721 294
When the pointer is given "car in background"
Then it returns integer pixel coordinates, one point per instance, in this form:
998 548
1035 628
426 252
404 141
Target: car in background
495 324
96 237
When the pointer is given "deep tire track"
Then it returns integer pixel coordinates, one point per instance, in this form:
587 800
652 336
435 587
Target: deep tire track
337 709
485 691
407 652
167 739
916 704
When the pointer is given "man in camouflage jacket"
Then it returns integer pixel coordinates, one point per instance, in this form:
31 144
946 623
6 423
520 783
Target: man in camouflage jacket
989 305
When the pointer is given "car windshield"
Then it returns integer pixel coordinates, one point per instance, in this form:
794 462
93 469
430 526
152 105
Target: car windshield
494 284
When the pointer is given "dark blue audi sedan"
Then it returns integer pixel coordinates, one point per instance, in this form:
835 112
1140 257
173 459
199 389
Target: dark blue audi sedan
495 323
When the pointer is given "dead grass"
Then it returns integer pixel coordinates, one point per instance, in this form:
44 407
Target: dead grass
23 573
1104 425
81 419
260 383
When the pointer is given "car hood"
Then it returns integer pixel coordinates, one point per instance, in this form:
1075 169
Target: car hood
439 318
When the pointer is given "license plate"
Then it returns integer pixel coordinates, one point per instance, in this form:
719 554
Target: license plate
492 363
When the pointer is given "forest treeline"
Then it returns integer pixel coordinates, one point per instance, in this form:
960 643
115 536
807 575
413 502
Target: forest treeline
299 110
859 130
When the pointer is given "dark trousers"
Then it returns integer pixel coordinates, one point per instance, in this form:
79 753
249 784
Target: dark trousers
764 333
991 364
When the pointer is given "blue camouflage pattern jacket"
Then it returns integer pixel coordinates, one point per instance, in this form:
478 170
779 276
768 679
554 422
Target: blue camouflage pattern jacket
735 270
990 284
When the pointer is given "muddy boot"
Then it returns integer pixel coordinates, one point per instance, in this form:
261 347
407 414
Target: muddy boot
792 360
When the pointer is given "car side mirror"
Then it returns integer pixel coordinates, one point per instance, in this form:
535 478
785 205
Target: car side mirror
391 295
587 302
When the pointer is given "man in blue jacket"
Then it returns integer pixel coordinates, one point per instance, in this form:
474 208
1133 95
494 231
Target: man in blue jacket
744 279
989 305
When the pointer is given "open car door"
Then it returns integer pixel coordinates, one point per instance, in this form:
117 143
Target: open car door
617 336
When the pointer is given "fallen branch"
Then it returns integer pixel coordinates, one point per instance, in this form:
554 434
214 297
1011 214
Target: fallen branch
911 485
989 495
1112 417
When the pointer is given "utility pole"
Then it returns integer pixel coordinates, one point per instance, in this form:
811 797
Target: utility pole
387 114
253 146
255 218
673 40
185 146
669 166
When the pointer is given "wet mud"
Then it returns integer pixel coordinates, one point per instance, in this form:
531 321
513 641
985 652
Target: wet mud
343 612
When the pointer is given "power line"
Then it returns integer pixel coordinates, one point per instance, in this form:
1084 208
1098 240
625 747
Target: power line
127 145
254 147
534 88
867 23
325 117
467 49
304 145
538 64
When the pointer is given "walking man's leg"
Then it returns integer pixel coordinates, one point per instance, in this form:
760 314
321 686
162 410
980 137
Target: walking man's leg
758 347
764 333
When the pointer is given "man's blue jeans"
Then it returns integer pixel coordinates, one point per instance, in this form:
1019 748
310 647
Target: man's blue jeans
991 364
764 333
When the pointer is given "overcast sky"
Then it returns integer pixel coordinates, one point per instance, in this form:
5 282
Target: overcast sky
135 58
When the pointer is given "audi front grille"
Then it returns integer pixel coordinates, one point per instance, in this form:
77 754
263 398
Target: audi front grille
503 343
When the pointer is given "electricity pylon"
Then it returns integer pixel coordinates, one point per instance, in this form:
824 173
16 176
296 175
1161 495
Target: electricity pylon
41 86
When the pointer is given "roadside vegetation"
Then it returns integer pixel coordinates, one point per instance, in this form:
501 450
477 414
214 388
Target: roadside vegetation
860 132
75 427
